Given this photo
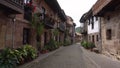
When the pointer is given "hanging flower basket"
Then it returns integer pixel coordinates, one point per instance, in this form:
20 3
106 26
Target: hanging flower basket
29 6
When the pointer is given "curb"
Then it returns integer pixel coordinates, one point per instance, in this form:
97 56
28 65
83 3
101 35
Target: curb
41 57
92 61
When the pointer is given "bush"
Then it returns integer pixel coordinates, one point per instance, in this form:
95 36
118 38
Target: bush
66 43
87 45
18 55
8 59
28 52
51 45
84 44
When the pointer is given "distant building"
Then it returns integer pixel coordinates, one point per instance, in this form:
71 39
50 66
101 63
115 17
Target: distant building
91 28
70 29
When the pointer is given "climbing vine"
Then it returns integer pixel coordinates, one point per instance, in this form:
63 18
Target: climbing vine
37 23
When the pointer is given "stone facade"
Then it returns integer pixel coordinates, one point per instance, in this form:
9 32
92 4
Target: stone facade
110 25
111 45
70 27
16 32
12 32
91 30
94 37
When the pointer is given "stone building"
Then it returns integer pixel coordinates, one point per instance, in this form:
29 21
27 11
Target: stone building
70 29
109 11
16 17
84 27
91 24
11 26
55 18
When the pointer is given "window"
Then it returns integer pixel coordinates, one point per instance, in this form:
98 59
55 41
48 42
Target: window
43 12
109 34
96 18
92 25
26 36
27 1
93 38
27 10
89 22
108 18
89 38
92 22
97 38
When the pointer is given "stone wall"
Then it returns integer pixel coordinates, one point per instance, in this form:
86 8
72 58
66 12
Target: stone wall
96 38
111 21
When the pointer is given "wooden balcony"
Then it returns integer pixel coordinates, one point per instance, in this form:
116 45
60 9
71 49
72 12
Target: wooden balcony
12 6
62 27
49 23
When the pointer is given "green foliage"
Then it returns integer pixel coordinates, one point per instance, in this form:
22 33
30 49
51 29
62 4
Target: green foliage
29 52
8 59
66 43
77 29
51 45
18 55
56 32
37 23
87 45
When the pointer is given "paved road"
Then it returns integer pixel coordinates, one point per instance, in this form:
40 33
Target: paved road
102 61
67 57
73 56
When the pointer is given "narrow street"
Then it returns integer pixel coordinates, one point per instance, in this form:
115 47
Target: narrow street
67 57
73 56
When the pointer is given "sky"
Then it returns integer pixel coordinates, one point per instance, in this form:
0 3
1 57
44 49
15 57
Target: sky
76 8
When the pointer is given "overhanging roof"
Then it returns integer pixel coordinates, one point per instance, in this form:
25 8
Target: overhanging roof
86 16
105 6
54 5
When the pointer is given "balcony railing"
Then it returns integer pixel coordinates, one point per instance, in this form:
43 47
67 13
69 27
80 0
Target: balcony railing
49 22
15 6
62 27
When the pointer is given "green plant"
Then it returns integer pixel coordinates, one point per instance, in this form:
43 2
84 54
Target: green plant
91 45
51 45
18 55
8 59
31 52
56 32
84 44
66 43
87 45
37 23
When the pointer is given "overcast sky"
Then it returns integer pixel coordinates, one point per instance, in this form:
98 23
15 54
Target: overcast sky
76 8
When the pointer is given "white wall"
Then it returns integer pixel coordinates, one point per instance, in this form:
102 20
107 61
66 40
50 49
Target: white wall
96 26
